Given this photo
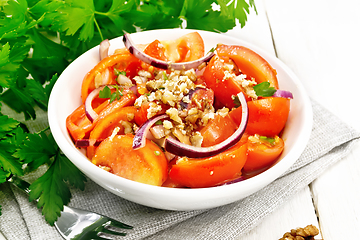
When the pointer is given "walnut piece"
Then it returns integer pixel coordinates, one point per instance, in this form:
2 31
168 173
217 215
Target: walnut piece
306 233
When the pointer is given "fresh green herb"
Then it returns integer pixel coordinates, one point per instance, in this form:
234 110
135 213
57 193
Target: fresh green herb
236 101
117 72
40 38
212 50
264 90
269 140
22 152
46 188
165 76
106 93
158 122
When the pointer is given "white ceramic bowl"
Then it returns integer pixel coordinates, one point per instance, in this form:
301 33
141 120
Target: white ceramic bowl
65 97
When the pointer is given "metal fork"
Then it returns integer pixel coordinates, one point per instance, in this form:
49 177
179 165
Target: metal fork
80 224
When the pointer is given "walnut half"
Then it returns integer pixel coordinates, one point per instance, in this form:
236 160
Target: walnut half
307 233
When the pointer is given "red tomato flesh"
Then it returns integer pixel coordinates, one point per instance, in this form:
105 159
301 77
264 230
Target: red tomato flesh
267 116
250 63
217 130
186 48
262 154
208 172
223 89
146 165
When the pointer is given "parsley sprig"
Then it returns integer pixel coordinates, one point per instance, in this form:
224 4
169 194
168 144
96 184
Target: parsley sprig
264 90
40 38
116 95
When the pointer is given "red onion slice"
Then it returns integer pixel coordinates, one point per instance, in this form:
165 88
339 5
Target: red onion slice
180 149
140 136
134 90
104 49
87 143
283 94
89 111
236 180
130 45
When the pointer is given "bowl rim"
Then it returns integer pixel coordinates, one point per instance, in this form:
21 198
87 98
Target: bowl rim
257 181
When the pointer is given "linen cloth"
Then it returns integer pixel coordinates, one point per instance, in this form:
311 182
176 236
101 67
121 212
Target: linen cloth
330 141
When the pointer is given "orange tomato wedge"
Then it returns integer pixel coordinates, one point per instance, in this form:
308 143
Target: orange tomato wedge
262 154
186 48
208 172
217 130
122 62
250 63
146 165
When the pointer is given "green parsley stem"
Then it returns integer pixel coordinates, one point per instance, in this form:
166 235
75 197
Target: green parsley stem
98 28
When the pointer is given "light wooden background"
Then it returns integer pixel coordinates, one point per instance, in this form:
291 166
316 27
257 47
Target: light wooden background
320 41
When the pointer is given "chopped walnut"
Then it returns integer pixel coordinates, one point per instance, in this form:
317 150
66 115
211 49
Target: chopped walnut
306 233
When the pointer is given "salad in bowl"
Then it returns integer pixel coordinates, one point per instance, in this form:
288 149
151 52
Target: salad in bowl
195 118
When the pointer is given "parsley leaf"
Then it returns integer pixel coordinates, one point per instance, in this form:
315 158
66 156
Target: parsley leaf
237 9
117 72
236 101
51 189
14 21
3 175
269 140
10 62
207 18
6 125
36 150
8 163
81 16
106 93
264 90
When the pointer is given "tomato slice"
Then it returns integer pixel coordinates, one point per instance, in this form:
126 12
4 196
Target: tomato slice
156 50
78 124
201 99
127 99
120 61
146 165
212 171
141 115
186 48
224 89
217 130
262 152
267 116
105 127
249 63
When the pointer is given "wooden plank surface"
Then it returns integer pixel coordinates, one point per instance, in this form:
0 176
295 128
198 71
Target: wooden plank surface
298 211
319 41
